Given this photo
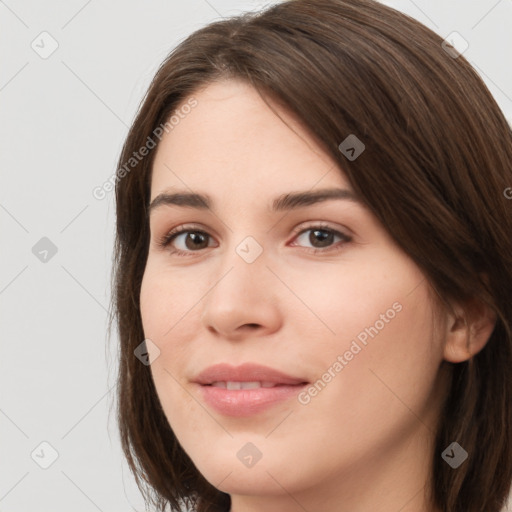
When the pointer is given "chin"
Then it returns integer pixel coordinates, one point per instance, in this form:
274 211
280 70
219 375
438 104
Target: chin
237 466
254 481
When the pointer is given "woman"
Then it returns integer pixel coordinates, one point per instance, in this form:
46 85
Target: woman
313 270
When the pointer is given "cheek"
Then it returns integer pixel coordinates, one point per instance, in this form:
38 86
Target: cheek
154 295
378 319
163 302
166 301
390 355
357 299
170 314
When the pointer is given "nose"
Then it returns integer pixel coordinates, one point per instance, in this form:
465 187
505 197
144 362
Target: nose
243 301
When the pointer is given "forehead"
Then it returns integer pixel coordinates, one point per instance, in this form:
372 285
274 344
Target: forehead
232 140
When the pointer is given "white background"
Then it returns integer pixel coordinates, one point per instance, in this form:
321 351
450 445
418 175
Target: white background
63 120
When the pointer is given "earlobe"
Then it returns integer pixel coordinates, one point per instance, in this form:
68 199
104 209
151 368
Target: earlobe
468 329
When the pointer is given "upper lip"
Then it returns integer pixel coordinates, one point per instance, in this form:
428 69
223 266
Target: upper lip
247 372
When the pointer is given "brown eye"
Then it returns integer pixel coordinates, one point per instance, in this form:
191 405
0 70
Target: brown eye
322 238
195 240
186 240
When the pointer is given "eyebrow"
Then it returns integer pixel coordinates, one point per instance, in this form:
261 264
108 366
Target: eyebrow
285 202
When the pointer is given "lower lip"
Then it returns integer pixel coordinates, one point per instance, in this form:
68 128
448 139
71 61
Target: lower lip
246 402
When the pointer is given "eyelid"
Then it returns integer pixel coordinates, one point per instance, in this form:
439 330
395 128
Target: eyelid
321 224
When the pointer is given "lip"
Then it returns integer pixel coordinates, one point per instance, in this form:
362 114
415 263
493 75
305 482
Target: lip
246 402
247 372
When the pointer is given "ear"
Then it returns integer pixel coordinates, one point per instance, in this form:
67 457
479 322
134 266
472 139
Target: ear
468 328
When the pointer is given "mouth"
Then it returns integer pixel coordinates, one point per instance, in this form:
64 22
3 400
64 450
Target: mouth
246 390
247 373
246 385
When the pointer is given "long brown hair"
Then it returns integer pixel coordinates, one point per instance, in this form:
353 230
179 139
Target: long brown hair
435 171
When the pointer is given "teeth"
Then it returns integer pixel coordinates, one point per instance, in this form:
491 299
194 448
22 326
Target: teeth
243 385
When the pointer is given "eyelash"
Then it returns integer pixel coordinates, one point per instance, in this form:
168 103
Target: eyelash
166 240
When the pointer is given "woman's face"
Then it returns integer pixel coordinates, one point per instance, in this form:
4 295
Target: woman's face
314 289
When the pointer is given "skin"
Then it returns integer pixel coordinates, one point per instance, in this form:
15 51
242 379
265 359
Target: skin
364 442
